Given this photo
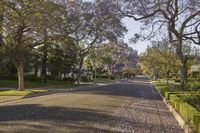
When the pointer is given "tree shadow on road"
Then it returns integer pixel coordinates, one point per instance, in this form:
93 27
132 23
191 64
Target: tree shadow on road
41 119
24 118
124 90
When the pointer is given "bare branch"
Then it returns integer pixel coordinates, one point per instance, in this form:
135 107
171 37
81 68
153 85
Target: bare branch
188 19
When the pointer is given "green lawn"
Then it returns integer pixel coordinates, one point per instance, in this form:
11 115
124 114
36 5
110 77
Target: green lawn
103 80
20 93
28 84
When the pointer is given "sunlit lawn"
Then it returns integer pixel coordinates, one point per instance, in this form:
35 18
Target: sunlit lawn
20 93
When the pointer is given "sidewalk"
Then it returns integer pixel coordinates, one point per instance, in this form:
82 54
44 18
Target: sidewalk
9 98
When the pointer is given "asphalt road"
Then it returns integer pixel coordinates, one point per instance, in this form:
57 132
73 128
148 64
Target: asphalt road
124 107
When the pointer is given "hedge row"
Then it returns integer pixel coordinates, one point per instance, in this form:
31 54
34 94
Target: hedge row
188 112
168 93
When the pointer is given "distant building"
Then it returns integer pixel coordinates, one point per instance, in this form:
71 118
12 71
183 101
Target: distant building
196 68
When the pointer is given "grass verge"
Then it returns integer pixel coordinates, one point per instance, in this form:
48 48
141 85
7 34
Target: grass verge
28 84
20 93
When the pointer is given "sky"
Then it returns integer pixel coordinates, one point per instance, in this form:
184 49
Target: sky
134 27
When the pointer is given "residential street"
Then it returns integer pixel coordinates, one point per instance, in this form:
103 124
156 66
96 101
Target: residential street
123 107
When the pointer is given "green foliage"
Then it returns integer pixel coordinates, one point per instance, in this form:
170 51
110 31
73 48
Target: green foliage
53 35
192 99
88 65
36 84
162 87
107 77
193 86
85 79
177 80
61 59
159 60
176 87
188 112
69 79
169 93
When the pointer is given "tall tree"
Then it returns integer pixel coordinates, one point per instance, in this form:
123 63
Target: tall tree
93 23
179 17
159 60
116 58
20 22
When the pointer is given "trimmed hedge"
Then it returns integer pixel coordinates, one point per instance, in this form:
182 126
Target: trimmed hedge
188 112
168 93
162 87
193 86
176 96
182 93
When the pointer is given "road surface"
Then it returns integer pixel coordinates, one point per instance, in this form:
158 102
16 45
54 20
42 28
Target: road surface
124 107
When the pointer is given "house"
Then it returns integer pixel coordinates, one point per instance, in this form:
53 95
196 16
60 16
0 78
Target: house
196 68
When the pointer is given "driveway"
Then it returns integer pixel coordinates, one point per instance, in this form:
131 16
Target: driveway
123 107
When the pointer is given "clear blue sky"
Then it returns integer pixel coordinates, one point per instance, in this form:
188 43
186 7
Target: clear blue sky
134 27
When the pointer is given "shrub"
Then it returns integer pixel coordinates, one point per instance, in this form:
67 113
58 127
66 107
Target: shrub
197 122
69 79
188 112
175 87
193 86
112 77
163 90
177 80
32 78
192 99
104 76
2 77
85 79
162 87
168 93
191 79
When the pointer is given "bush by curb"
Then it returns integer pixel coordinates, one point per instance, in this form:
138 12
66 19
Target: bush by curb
188 112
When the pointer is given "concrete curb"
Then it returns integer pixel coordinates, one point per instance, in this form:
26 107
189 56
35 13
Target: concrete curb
184 124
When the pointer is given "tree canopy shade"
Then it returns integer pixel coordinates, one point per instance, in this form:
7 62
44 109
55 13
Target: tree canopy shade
116 58
17 32
38 26
179 17
94 23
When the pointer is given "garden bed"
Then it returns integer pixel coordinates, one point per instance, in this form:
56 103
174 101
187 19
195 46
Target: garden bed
186 103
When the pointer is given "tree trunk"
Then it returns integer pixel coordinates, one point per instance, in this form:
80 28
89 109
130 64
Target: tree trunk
167 76
95 76
1 28
20 73
44 64
36 70
183 63
80 70
183 72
